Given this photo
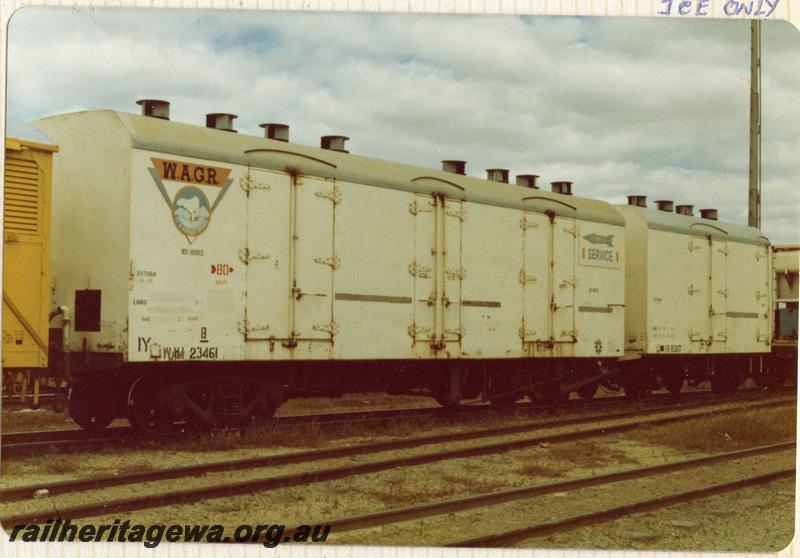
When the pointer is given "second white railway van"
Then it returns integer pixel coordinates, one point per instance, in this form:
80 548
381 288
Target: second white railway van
698 297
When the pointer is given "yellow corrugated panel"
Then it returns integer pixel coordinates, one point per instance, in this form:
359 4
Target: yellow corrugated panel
22 196
26 254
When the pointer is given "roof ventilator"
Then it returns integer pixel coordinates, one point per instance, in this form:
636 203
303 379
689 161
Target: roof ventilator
637 200
684 210
665 205
273 131
154 108
497 175
334 143
221 121
562 187
711 214
456 167
527 180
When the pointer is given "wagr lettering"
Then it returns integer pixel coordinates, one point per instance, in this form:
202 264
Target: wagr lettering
179 171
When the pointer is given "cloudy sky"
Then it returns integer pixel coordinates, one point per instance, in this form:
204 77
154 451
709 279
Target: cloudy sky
619 106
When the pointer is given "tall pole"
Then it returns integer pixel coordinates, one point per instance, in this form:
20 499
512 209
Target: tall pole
754 197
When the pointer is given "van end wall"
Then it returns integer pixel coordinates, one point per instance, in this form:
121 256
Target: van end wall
635 279
91 221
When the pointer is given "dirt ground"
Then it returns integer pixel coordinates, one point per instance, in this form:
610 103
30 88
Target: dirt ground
755 519
707 525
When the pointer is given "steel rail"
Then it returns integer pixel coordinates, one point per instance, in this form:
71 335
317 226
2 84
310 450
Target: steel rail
189 495
17 442
74 485
512 536
20 443
396 515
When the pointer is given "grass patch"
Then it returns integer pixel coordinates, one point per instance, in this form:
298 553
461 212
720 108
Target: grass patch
397 492
541 470
588 454
725 432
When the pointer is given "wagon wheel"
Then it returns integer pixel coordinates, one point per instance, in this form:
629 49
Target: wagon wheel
588 391
87 412
548 391
633 384
726 382
145 413
772 377
673 381
505 404
445 400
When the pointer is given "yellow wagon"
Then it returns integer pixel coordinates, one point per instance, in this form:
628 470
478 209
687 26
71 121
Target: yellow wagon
26 260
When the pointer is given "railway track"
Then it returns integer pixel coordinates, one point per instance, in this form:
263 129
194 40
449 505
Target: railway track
479 501
47 398
512 536
30 442
15 443
626 421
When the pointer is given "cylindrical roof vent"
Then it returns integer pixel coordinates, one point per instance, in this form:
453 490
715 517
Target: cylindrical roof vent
684 210
527 180
456 167
497 175
220 121
665 205
637 200
562 187
154 108
709 214
279 132
334 143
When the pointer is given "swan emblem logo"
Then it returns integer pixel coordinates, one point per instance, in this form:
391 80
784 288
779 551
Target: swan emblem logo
191 191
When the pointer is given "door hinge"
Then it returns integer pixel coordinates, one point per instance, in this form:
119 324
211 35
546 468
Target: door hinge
570 333
523 333
693 246
246 328
524 224
457 331
760 255
418 270
456 273
723 292
414 330
569 283
331 328
571 231
460 213
246 256
334 195
723 251
333 261
760 295
246 183
416 207
692 290
524 278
